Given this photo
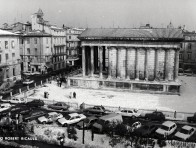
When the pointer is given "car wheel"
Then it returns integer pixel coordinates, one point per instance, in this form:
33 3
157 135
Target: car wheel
44 122
65 125
133 117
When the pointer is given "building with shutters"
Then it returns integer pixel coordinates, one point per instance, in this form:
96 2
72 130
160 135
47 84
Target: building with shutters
144 60
9 56
58 39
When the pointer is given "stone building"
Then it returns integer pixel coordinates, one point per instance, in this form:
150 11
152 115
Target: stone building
187 57
132 59
73 45
35 51
58 42
9 56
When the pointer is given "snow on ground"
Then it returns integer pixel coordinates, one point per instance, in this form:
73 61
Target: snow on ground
185 102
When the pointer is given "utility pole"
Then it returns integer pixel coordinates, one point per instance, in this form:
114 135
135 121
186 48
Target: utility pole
83 133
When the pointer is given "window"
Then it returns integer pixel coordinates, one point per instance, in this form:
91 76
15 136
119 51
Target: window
6 44
69 37
35 51
28 50
35 40
189 56
13 55
14 72
46 40
6 56
180 56
12 44
28 41
189 46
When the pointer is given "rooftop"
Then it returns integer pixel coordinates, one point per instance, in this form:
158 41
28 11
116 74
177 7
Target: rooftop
132 34
4 33
168 123
186 127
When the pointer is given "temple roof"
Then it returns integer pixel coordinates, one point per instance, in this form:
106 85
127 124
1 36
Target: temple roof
132 34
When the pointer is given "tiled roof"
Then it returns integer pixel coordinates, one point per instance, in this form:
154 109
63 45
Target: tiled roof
132 34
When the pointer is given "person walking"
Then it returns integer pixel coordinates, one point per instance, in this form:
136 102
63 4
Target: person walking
74 95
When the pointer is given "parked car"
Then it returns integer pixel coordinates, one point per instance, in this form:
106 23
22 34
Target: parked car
146 130
185 133
16 109
180 72
97 110
50 117
28 73
35 103
59 106
156 115
188 72
33 115
107 119
5 91
16 100
192 119
88 122
167 129
71 119
27 82
129 113
4 106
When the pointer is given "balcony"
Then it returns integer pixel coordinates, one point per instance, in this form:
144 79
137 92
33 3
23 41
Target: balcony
59 54
72 57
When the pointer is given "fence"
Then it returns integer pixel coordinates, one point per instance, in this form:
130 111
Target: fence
29 90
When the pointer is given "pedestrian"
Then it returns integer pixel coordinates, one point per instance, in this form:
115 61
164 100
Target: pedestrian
175 114
60 83
74 94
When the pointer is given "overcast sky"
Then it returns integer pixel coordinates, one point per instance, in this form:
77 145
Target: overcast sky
103 13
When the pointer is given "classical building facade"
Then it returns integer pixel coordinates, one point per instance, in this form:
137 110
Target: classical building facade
9 56
132 59
73 45
58 42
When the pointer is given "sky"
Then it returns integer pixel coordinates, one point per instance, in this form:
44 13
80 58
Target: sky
103 13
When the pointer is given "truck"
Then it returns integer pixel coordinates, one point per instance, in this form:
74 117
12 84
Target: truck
192 119
104 120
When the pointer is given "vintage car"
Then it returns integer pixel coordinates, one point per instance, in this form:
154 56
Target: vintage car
167 129
4 106
185 133
129 113
88 122
16 100
27 82
50 117
71 119
59 106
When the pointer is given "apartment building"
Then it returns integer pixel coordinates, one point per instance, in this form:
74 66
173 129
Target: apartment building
9 56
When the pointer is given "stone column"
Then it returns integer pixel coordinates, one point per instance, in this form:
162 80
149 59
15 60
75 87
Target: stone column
156 63
109 64
104 58
100 62
166 64
176 65
117 63
127 65
92 61
137 64
146 64
83 62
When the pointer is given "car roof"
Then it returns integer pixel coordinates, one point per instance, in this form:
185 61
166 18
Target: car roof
186 127
52 113
5 104
73 114
168 123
